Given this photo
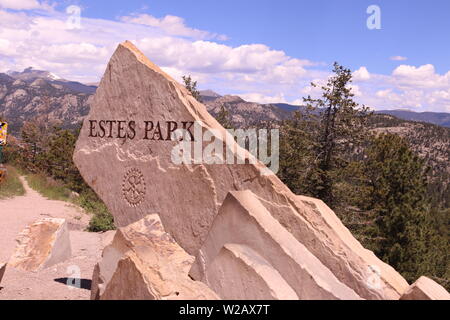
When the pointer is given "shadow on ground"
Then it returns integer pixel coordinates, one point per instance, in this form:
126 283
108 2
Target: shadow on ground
76 282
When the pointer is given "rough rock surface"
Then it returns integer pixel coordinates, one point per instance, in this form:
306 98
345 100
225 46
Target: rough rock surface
187 197
41 245
375 275
144 262
242 219
240 273
101 269
2 270
425 289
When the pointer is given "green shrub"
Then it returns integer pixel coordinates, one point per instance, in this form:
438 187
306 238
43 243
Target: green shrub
101 219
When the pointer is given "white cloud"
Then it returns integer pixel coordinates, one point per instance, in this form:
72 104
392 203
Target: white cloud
423 77
356 90
383 93
261 98
172 25
212 57
6 47
361 74
413 72
255 72
45 41
16 20
23 4
398 58
408 87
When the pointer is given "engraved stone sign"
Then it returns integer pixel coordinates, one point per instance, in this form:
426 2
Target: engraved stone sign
130 133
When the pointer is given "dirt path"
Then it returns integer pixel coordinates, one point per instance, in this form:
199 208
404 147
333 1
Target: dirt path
15 215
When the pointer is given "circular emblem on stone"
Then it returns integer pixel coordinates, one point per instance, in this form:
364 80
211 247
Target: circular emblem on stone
133 187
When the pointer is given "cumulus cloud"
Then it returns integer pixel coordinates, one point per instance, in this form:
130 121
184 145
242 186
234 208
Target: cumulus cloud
47 42
172 25
18 20
23 4
414 72
6 47
383 93
361 74
408 87
256 72
262 98
212 57
398 58
423 77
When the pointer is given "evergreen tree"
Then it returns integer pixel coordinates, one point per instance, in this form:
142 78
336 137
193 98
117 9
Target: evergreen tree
57 160
223 117
33 137
342 127
297 160
191 86
397 195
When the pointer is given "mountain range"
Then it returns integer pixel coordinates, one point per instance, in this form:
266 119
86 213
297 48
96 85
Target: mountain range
430 141
31 93
35 93
439 118
211 98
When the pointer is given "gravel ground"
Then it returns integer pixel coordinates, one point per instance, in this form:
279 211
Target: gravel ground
51 283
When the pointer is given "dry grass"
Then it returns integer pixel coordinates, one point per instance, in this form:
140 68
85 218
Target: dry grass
11 186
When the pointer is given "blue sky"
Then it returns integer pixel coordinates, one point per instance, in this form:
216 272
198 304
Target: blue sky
263 50
320 30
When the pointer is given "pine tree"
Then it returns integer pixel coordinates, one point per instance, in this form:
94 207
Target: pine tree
191 86
342 127
297 159
406 237
57 160
223 117
32 134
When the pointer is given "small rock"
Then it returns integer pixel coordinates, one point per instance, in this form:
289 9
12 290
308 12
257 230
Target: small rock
425 289
74 195
145 263
41 245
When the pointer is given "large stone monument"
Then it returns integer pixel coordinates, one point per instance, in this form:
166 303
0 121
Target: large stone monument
236 219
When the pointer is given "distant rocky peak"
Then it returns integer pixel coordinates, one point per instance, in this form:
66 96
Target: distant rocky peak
232 99
31 74
209 93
